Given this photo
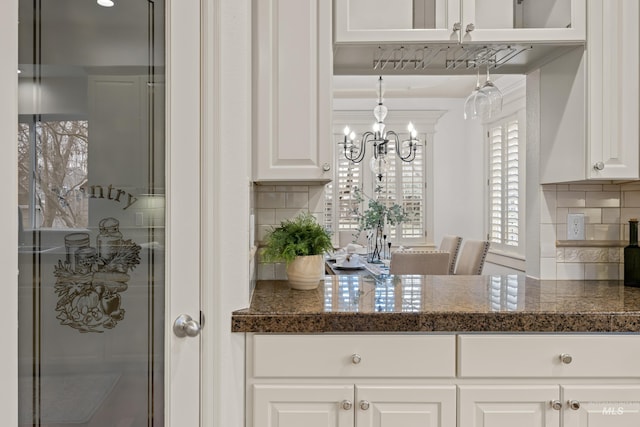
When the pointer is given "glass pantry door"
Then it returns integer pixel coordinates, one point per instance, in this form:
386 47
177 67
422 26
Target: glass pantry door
107 234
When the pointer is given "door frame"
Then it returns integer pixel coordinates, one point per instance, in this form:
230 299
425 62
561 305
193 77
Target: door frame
213 30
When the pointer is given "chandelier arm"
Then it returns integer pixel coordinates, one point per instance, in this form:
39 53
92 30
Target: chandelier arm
361 149
411 155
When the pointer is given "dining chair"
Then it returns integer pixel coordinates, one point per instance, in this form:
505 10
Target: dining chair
451 244
472 256
419 262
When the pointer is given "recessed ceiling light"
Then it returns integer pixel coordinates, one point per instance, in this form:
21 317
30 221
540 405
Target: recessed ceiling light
106 3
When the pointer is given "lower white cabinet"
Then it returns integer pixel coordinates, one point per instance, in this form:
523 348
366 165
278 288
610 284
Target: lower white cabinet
443 380
535 405
292 405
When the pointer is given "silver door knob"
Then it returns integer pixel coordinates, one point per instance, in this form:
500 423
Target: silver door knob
598 166
470 27
457 26
326 167
566 358
574 404
364 405
355 358
346 405
185 326
556 404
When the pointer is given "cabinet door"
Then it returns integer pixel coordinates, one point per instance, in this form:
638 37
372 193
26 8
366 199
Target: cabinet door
292 89
382 21
613 65
508 406
303 406
408 406
601 406
539 21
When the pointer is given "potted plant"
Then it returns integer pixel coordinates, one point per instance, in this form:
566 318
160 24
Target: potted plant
300 242
374 218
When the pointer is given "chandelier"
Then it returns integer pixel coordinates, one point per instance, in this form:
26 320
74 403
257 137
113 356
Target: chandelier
354 150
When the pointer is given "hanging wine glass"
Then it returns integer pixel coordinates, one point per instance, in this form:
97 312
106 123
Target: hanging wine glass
494 95
477 103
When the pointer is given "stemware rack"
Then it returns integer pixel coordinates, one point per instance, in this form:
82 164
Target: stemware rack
405 58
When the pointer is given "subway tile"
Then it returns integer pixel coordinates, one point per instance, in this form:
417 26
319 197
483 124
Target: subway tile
585 187
571 199
285 214
591 215
561 231
292 188
316 199
603 232
630 186
561 215
627 213
570 271
270 200
607 271
612 187
603 200
297 200
262 232
280 271
266 271
611 215
266 216
631 199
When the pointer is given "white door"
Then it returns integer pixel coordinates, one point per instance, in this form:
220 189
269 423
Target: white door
601 405
101 212
407 406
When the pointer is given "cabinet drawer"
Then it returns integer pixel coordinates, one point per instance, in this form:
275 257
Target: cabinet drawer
549 356
353 356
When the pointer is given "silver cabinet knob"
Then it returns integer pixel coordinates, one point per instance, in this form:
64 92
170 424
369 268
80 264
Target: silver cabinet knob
185 326
326 167
573 404
457 26
556 404
355 358
566 358
346 405
470 27
364 405
598 166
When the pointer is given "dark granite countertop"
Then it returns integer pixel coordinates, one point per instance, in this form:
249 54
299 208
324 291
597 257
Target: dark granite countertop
509 303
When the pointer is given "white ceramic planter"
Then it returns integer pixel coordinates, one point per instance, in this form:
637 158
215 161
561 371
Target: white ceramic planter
305 272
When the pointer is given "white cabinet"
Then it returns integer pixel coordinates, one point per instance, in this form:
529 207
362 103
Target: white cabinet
589 101
292 90
460 21
315 405
508 406
443 380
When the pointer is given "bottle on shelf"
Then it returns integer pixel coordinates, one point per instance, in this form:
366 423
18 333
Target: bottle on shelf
632 256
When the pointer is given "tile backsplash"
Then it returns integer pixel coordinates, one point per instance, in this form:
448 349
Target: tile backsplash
275 203
607 208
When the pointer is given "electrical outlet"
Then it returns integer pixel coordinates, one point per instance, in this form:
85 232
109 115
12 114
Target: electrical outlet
575 227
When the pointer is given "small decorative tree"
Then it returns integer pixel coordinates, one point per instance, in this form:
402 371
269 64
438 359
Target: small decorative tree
373 220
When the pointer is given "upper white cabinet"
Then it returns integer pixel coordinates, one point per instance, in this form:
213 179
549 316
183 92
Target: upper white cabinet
460 21
589 101
292 90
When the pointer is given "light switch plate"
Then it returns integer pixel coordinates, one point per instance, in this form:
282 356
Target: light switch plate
575 227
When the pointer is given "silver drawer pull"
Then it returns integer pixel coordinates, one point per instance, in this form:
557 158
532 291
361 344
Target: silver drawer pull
573 404
556 404
346 405
566 358
355 358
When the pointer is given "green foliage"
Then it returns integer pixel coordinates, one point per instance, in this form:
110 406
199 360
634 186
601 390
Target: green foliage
377 213
299 236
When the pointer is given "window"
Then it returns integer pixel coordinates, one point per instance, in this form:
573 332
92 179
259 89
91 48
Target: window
505 185
404 183
52 173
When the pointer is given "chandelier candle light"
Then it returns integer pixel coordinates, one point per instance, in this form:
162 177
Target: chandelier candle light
354 150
